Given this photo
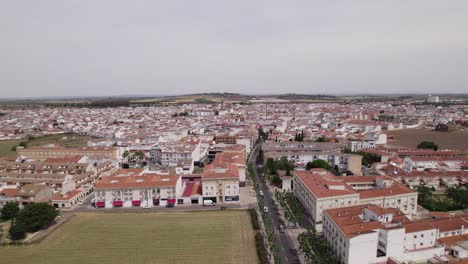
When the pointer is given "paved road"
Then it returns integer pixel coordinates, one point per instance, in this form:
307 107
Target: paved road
287 253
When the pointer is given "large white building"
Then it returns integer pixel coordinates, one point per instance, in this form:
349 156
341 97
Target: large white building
302 152
319 190
371 234
369 140
137 189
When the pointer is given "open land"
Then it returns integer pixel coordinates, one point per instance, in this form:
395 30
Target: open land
457 139
66 140
162 237
6 146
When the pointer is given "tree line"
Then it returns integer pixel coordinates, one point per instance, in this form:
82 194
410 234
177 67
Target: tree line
31 218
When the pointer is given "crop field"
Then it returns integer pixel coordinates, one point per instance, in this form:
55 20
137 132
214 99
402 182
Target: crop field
7 145
66 140
153 237
457 139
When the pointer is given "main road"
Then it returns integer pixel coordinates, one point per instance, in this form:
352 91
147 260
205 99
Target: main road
286 251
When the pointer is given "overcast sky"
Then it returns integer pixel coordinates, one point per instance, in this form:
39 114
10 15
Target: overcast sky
111 47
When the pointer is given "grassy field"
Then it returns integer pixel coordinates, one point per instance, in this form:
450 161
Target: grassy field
162 237
67 140
7 145
412 137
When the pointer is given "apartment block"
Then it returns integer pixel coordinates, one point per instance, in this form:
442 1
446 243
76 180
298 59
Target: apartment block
319 190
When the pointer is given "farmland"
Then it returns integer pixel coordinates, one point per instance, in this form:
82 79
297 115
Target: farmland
66 140
162 237
7 145
457 139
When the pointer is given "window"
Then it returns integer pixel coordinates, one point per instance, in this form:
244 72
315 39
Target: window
422 235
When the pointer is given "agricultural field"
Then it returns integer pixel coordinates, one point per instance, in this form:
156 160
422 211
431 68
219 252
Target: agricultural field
66 140
457 139
6 147
153 237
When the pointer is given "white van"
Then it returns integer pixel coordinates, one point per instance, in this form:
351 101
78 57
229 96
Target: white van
208 202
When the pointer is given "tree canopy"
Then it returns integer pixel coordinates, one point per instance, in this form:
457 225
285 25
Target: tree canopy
36 216
10 210
318 164
427 145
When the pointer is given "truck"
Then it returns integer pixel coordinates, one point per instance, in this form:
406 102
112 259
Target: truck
208 202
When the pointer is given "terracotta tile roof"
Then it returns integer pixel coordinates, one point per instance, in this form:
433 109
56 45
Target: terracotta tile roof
417 227
128 172
73 159
221 169
451 224
9 192
146 181
395 189
351 223
322 183
453 240
67 197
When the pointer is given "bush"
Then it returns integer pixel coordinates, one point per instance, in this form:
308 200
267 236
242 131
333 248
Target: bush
254 219
427 145
261 248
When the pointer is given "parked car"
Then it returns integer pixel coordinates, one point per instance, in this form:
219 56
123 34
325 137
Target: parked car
265 209
261 193
208 202
146 207
81 202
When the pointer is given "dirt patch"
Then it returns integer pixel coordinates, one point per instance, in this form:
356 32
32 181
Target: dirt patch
410 138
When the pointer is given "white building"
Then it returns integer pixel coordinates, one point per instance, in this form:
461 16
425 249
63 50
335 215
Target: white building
319 190
372 234
137 190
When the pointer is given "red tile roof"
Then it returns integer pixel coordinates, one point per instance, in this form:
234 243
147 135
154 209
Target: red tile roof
67 197
322 183
146 181
395 189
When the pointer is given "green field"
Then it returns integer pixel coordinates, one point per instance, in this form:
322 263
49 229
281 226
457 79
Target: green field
7 145
156 237
66 140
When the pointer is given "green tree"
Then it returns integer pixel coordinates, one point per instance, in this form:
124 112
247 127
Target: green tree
318 164
262 134
125 154
424 195
36 216
139 155
10 210
427 145
17 231
271 165
276 180
459 195
320 139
